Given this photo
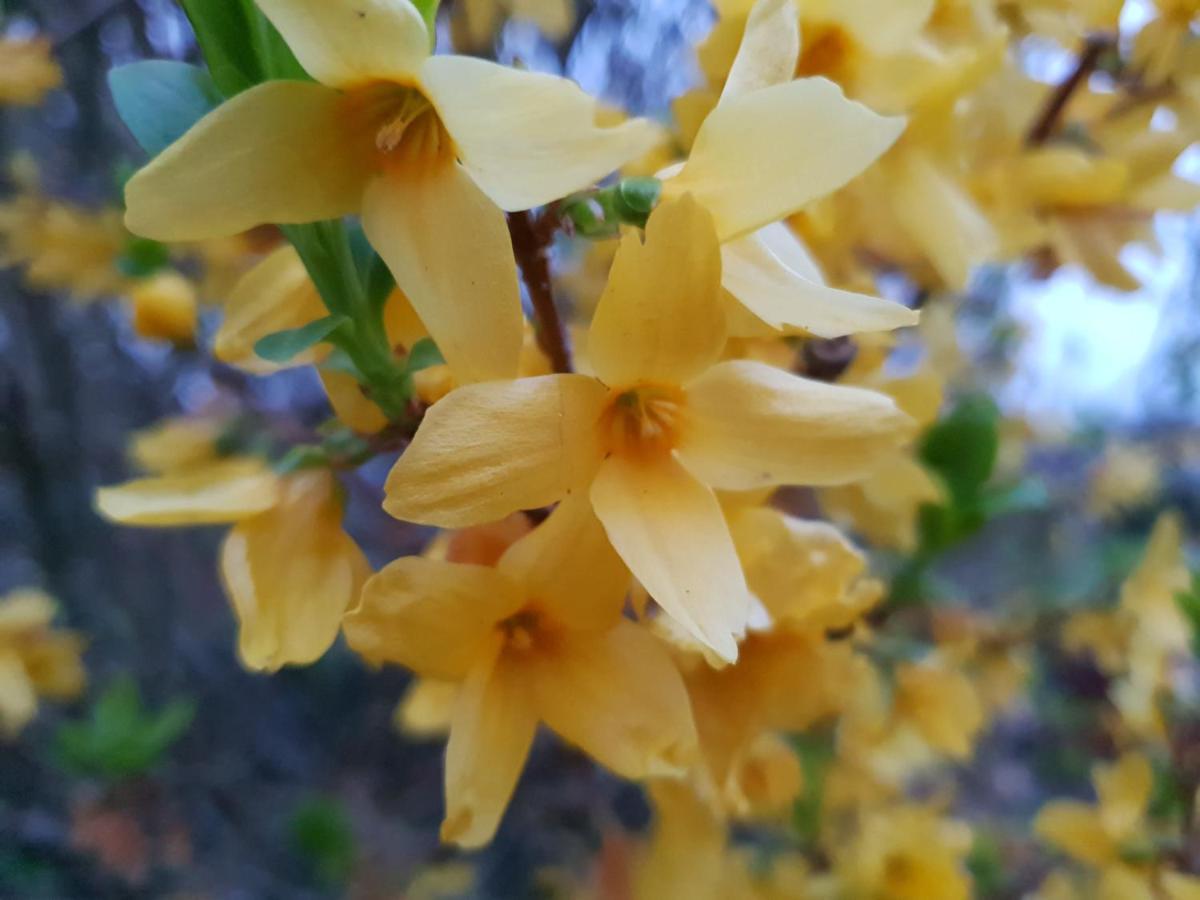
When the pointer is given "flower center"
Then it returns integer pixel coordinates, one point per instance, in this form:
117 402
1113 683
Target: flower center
643 421
403 123
828 51
527 630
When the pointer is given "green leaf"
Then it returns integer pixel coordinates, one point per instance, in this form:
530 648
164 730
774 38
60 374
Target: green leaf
1189 604
143 257
423 355
225 31
636 198
321 833
283 346
428 10
962 447
159 100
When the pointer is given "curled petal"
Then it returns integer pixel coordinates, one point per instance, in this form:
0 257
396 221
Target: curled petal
770 49
487 450
226 491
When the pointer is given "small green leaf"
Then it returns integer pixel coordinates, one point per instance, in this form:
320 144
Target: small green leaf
423 355
962 447
225 31
283 346
143 257
159 100
321 833
428 10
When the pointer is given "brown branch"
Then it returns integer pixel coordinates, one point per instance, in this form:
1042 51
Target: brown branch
531 239
1048 121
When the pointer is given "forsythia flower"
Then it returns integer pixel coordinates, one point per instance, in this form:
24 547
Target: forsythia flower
288 567
35 660
540 637
28 71
754 163
661 424
164 308
429 149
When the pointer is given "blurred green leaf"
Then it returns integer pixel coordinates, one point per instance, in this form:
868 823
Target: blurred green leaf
428 10
121 738
1189 603
816 752
423 355
962 447
225 31
321 833
143 257
159 100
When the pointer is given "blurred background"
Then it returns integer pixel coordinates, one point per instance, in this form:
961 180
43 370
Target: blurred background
177 774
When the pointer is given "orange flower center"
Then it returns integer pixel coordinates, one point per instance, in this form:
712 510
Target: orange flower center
829 51
643 421
527 630
403 124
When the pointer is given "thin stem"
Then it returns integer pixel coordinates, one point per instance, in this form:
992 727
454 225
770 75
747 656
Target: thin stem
531 241
1048 121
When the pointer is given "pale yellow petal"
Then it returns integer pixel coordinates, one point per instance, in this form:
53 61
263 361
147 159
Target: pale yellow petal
660 318
618 696
290 574
352 407
941 218
24 610
760 157
789 290
276 295
770 49
490 736
526 137
670 531
448 246
1075 829
886 28
487 450
18 701
568 564
1124 791
281 153
344 43
750 425
226 491
427 708
433 617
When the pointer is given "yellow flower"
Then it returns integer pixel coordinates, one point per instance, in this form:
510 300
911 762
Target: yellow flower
538 638
164 308
942 704
428 149
175 444
1097 835
288 567
28 71
755 162
1128 476
35 660
907 853
661 424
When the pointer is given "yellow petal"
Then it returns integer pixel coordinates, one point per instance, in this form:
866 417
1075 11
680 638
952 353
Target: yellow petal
568 564
164 308
1124 791
670 531
941 218
526 137
354 408
281 153
487 450
226 491
18 702
617 696
427 708
750 425
774 277
24 610
434 617
175 444
770 49
53 663
276 295
660 318
343 43
290 575
493 728
760 157
448 246
1075 829
886 28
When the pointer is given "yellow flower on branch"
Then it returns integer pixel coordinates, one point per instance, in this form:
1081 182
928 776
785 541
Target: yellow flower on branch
540 637
771 147
36 660
661 424
428 149
288 567
28 71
